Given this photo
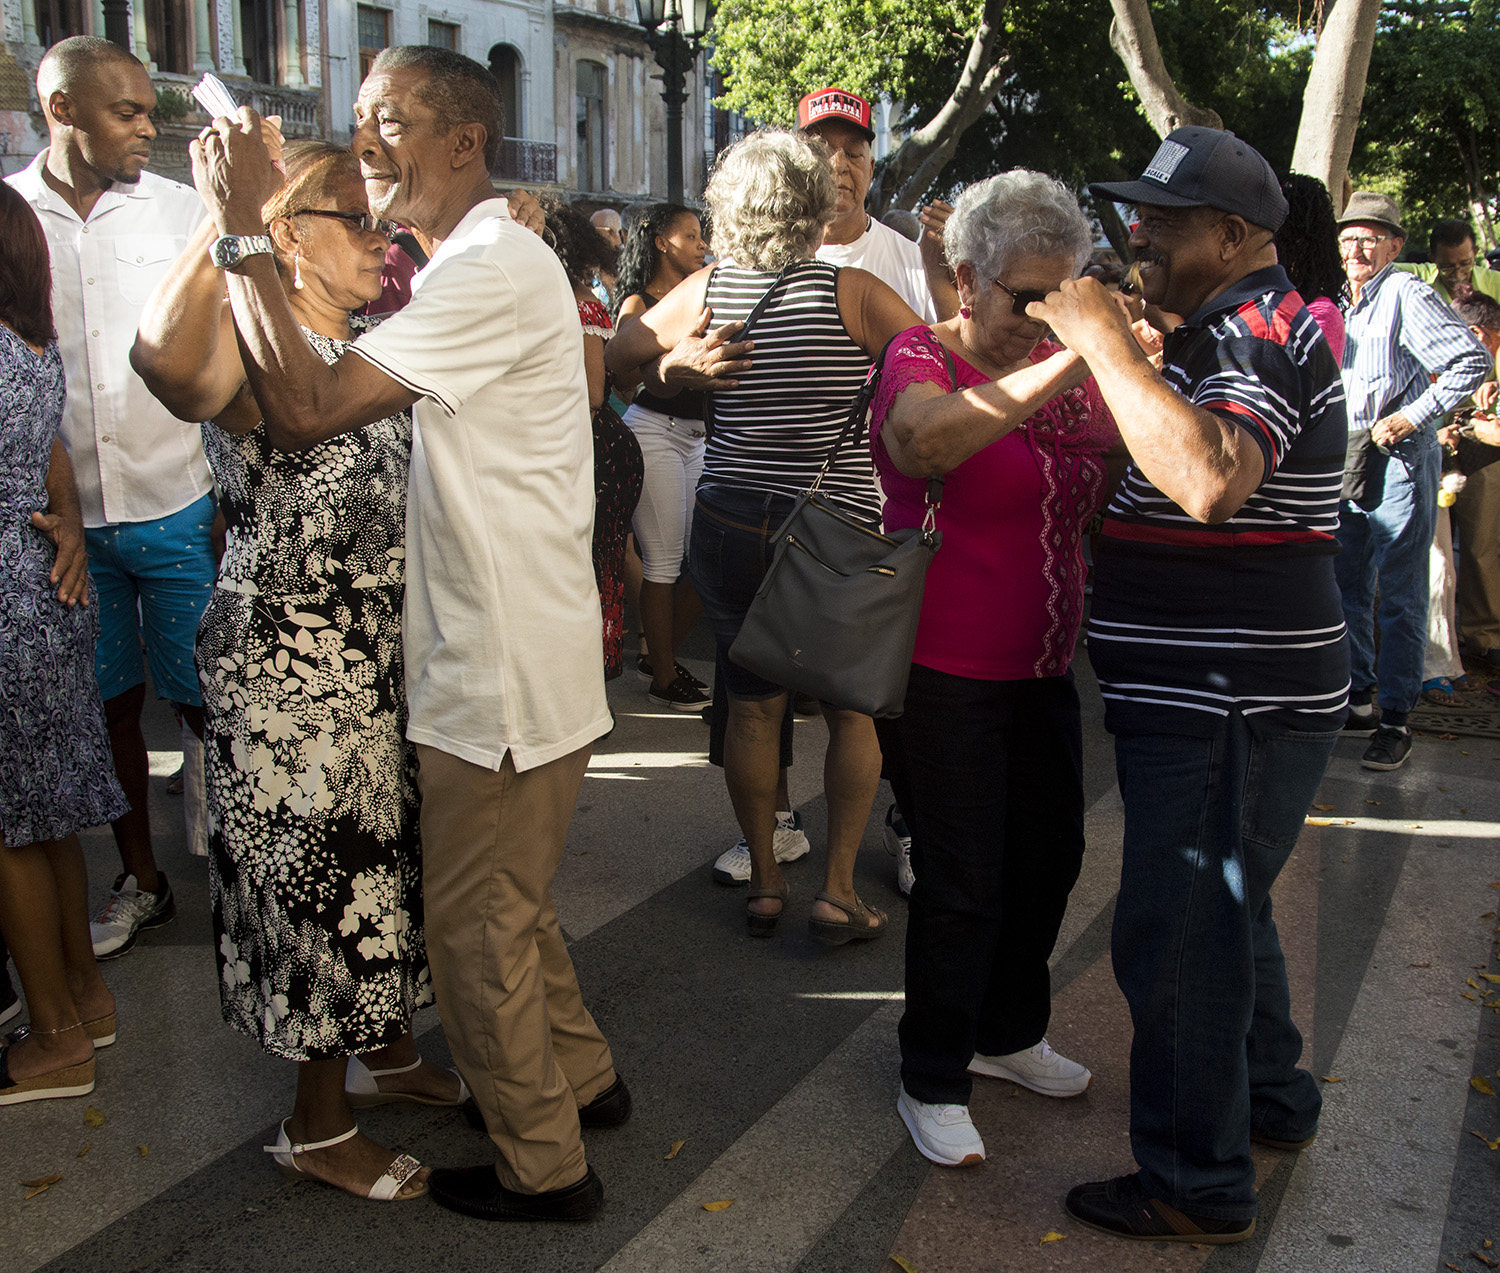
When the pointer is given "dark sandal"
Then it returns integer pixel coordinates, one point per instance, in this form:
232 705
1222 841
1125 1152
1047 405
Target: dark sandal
765 925
856 928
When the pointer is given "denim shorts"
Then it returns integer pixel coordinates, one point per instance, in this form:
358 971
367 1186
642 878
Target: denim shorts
729 551
154 577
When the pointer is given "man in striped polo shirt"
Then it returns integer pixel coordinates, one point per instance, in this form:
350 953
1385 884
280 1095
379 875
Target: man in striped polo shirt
1218 640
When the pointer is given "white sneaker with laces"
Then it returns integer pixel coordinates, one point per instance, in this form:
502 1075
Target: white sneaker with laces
129 910
944 1133
898 844
1038 1068
733 865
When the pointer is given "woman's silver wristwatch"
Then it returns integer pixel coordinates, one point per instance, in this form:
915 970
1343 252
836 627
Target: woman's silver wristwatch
228 250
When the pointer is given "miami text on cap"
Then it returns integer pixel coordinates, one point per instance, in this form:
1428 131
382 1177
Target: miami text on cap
835 104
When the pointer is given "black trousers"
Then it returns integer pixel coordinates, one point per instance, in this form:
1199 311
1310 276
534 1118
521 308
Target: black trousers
989 777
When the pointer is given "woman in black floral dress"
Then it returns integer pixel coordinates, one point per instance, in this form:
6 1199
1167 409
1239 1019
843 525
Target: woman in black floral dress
619 470
57 774
315 865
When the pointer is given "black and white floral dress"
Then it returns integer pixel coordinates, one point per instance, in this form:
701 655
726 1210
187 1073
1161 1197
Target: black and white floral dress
315 866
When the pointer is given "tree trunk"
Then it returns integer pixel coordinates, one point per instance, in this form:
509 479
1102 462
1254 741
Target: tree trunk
1115 230
1335 91
917 162
1133 38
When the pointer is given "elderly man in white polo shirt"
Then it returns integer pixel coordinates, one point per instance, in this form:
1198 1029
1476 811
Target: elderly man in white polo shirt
503 675
113 231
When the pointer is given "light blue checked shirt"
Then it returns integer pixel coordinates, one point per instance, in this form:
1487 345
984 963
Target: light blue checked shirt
1399 335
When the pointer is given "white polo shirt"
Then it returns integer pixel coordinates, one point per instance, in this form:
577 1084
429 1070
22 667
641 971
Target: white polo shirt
504 640
134 461
892 258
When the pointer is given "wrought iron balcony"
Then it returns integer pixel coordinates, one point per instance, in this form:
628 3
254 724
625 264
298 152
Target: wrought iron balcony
526 161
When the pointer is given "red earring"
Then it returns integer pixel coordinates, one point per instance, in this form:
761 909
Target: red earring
963 312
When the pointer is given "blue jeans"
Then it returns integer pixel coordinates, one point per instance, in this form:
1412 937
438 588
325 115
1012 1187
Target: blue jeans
1391 542
1209 823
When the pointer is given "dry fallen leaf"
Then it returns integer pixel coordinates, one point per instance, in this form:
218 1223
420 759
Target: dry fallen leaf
675 1150
1485 1260
1447 738
1413 826
1488 915
902 1263
32 1193
1493 1144
1329 1078
1053 1237
1481 1084
1320 822
1465 994
93 1117
1469 981
1491 976
1372 802
44 1182
1325 807
1488 1244
1419 965
142 1148
722 1205
87 1145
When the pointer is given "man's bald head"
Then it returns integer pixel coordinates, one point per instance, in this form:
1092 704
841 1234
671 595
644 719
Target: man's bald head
98 101
607 222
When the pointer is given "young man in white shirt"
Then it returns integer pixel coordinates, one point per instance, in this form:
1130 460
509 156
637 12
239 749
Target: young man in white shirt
501 628
113 230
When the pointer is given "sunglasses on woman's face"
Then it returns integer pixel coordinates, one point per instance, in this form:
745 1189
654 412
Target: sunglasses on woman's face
1020 300
365 221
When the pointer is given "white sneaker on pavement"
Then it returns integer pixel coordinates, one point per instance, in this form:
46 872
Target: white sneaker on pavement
129 910
733 865
944 1133
1038 1068
897 839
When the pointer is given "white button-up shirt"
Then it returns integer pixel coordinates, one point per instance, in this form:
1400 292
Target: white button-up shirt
133 460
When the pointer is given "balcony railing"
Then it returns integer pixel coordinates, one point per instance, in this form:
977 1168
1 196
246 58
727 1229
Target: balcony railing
526 161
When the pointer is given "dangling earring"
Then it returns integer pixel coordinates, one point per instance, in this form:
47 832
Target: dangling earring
964 312
297 271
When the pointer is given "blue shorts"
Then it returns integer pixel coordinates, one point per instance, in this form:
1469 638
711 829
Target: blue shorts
157 577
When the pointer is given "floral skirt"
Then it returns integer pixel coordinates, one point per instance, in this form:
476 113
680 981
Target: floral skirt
315 866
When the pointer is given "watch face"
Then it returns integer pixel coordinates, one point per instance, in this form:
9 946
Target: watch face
227 251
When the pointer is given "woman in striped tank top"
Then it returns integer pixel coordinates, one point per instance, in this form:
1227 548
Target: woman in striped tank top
771 196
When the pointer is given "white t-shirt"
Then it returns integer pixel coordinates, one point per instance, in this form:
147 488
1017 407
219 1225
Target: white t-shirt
133 460
892 258
504 641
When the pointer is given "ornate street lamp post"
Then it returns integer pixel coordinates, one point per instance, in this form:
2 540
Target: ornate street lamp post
675 31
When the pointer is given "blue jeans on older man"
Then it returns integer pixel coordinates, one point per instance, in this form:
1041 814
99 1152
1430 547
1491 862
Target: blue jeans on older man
1389 541
1209 822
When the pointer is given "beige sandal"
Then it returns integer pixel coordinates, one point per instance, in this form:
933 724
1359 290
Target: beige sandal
386 1189
856 928
362 1088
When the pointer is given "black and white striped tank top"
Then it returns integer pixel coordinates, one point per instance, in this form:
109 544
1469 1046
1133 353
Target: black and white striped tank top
774 430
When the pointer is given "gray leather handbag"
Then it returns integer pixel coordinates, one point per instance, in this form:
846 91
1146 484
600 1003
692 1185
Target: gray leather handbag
836 614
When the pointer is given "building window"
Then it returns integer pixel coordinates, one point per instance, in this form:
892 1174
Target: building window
374 35
442 35
258 23
167 35
57 20
591 121
505 66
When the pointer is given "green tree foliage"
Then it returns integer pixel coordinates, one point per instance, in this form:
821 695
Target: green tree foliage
1428 131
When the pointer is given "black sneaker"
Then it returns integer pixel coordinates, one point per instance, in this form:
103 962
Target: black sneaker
1122 1207
1364 719
647 673
682 695
1388 749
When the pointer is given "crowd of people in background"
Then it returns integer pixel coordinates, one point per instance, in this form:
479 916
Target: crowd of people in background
373 464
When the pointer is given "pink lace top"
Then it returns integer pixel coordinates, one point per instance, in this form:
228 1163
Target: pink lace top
1004 595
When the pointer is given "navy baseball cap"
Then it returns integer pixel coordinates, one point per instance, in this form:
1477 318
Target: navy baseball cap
1206 167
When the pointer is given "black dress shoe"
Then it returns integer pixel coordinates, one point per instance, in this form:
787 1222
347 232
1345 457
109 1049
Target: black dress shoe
475 1191
609 1109
1122 1207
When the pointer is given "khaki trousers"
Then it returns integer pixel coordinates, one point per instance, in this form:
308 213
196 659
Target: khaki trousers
506 990
1477 514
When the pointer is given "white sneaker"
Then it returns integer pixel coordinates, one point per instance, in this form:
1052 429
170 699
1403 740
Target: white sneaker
898 844
944 1133
129 910
733 865
1039 1068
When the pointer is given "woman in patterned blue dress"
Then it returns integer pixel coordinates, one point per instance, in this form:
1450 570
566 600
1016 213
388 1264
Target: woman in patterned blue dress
315 868
57 774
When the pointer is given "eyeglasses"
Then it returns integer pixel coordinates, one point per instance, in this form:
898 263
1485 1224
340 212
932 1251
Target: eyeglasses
1020 300
365 221
1364 242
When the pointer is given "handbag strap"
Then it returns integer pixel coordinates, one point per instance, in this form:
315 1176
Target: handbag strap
859 414
755 312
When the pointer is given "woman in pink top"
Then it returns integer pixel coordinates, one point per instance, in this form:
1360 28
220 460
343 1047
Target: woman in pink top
986 761
1307 245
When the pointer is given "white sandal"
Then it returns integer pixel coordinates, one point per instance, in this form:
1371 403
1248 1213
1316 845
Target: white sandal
363 1090
387 1189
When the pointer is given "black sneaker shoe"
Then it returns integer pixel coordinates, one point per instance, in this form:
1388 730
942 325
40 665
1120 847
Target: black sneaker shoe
1364 719
475 1191
1388 749
1122 1207
682 695
647 673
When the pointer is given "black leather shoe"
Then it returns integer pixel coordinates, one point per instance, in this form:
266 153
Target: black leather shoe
1122 1207
609 1109
475 1191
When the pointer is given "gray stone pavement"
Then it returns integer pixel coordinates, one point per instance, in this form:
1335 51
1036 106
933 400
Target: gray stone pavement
776 1062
